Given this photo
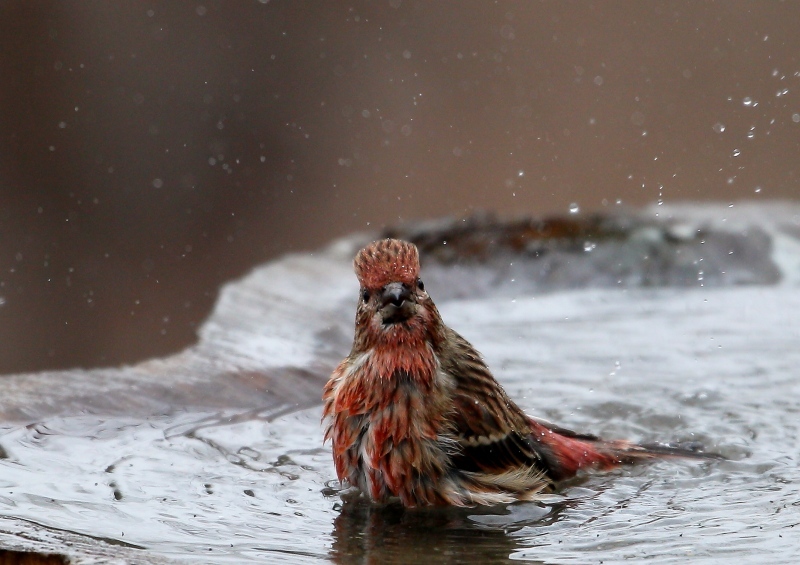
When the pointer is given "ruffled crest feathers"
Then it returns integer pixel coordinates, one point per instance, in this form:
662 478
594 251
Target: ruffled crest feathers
385 261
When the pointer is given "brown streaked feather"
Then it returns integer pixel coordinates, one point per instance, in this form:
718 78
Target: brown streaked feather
493 433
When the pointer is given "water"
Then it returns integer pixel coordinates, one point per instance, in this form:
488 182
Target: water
250 484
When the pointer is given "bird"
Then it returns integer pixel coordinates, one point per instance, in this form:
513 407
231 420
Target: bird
414 414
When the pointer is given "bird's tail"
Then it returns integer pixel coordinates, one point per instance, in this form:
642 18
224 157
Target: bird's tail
568 452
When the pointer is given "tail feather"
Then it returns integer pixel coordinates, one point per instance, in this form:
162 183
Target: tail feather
684 449
567 452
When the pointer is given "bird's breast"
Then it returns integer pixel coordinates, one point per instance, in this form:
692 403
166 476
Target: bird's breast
388 424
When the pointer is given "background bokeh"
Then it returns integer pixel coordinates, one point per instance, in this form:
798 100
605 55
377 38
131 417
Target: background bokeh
150 151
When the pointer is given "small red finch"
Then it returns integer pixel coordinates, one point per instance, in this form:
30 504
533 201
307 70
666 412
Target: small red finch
415 414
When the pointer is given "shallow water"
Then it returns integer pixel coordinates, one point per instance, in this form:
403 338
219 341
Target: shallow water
190 484
719 367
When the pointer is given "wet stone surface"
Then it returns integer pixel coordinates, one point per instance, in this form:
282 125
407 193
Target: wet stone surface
614 251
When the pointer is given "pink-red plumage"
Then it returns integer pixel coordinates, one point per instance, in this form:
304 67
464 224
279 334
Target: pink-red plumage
413 412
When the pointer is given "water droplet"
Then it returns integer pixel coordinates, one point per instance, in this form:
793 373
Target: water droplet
736 152
747 101
757 189
796 118
719 128
588 246
574 208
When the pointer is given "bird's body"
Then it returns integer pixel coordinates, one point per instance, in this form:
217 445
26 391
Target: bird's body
414 413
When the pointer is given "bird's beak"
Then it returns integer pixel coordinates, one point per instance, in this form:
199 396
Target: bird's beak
395 294
397 304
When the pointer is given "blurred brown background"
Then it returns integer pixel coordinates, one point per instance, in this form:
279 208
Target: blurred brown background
150 151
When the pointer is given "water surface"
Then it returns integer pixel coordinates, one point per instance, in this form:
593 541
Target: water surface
255 484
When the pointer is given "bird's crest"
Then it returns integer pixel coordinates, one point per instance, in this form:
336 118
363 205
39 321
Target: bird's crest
385 261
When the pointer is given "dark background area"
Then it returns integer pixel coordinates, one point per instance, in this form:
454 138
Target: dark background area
151 151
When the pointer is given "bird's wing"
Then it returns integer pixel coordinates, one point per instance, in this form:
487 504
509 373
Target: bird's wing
496 438
493 433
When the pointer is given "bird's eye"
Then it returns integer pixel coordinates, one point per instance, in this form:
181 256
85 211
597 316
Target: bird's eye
365 295
420 284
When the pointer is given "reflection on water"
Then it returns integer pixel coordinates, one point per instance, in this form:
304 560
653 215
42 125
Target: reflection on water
365 533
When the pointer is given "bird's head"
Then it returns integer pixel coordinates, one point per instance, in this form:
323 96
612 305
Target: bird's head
393 305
